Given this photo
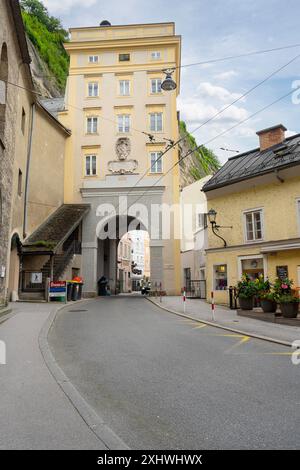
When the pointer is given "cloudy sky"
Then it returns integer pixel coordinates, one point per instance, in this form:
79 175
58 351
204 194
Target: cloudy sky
214 29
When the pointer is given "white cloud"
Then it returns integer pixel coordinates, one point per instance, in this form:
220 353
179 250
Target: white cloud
226 75
218 92
61 6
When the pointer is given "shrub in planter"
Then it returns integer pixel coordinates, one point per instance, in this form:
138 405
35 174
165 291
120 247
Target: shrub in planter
246 290
268 302
289 305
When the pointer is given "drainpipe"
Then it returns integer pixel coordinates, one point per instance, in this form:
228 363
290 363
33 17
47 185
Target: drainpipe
26 191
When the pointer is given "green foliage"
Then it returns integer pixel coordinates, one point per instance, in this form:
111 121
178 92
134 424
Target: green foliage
47 35
246 288
282 288
207 161
44 244
288 299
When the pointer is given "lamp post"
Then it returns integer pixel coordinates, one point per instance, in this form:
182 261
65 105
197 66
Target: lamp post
212 215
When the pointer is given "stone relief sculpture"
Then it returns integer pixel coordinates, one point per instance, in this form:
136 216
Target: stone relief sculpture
122 165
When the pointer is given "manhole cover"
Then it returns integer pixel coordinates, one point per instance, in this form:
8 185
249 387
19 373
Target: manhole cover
78 310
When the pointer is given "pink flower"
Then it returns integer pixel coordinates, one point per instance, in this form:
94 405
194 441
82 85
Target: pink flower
284 286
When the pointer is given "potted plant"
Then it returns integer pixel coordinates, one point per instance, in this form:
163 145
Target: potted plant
246 291
266 296
289 303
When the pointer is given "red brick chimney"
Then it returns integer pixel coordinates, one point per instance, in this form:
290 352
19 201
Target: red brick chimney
271 136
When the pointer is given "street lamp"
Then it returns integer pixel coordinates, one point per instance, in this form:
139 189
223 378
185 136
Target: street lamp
212 215
168 84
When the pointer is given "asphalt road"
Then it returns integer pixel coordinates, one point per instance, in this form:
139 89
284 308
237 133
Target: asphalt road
161 382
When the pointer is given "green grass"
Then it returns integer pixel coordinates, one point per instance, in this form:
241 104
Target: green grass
49 45
206 162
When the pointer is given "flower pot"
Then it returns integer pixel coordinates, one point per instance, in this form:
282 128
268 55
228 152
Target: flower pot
268 306
246 304
289 309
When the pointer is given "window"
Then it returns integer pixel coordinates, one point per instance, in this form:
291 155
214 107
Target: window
156 162
254 229
124 57
93 59
20 183
156 122
220 277
123 123
124 87
155 55
298 212
93 89
92 125
23 121
90 165
201 221
156 85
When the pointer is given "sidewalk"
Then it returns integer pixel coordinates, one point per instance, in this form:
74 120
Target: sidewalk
201 310
34 411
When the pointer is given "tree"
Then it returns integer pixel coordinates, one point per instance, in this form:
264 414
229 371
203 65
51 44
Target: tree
38 10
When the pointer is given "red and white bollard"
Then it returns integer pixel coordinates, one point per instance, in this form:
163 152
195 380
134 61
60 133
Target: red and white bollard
184 299
212 305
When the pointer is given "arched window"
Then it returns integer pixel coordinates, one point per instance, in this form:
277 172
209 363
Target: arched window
3 87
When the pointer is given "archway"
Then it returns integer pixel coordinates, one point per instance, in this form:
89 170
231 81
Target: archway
114 262
14 267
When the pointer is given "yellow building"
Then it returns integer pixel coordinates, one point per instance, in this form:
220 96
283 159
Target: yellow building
113 100
257 194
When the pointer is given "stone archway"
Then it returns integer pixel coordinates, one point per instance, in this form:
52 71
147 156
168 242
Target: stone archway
100 255
14 267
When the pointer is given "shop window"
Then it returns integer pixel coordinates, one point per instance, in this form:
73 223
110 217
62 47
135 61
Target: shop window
220 277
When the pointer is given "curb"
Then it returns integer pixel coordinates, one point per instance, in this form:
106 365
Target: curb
222 327
96 424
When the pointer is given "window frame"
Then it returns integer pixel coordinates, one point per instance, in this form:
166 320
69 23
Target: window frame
124 54
93 61
253 211
123 82
87 127
156 92
93 89
159 162
156 113
298 213
214 279
122 129
90 156
153 57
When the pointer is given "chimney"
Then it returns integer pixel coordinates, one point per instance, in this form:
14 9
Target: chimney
271 136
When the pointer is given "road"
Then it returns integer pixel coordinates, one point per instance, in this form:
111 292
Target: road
161 382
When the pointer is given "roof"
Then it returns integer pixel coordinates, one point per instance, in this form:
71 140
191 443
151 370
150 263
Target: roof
56 229
20 32
51 115
256 163
53 105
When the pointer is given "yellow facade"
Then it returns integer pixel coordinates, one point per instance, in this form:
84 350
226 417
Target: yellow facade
279 203
122 90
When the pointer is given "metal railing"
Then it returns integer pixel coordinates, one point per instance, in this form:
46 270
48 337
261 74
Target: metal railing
196 289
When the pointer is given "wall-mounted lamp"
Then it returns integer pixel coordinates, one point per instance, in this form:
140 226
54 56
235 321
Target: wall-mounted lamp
212 215
168 84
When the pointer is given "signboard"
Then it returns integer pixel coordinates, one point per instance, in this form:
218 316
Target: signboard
58 289
36 278
282 272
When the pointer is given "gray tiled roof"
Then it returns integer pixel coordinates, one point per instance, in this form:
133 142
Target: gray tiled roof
56 229
256 163
53 105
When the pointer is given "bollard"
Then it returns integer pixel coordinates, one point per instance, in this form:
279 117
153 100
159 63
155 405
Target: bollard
184 299
160 292
212 305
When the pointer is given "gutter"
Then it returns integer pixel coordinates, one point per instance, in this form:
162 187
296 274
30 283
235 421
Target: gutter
29 152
